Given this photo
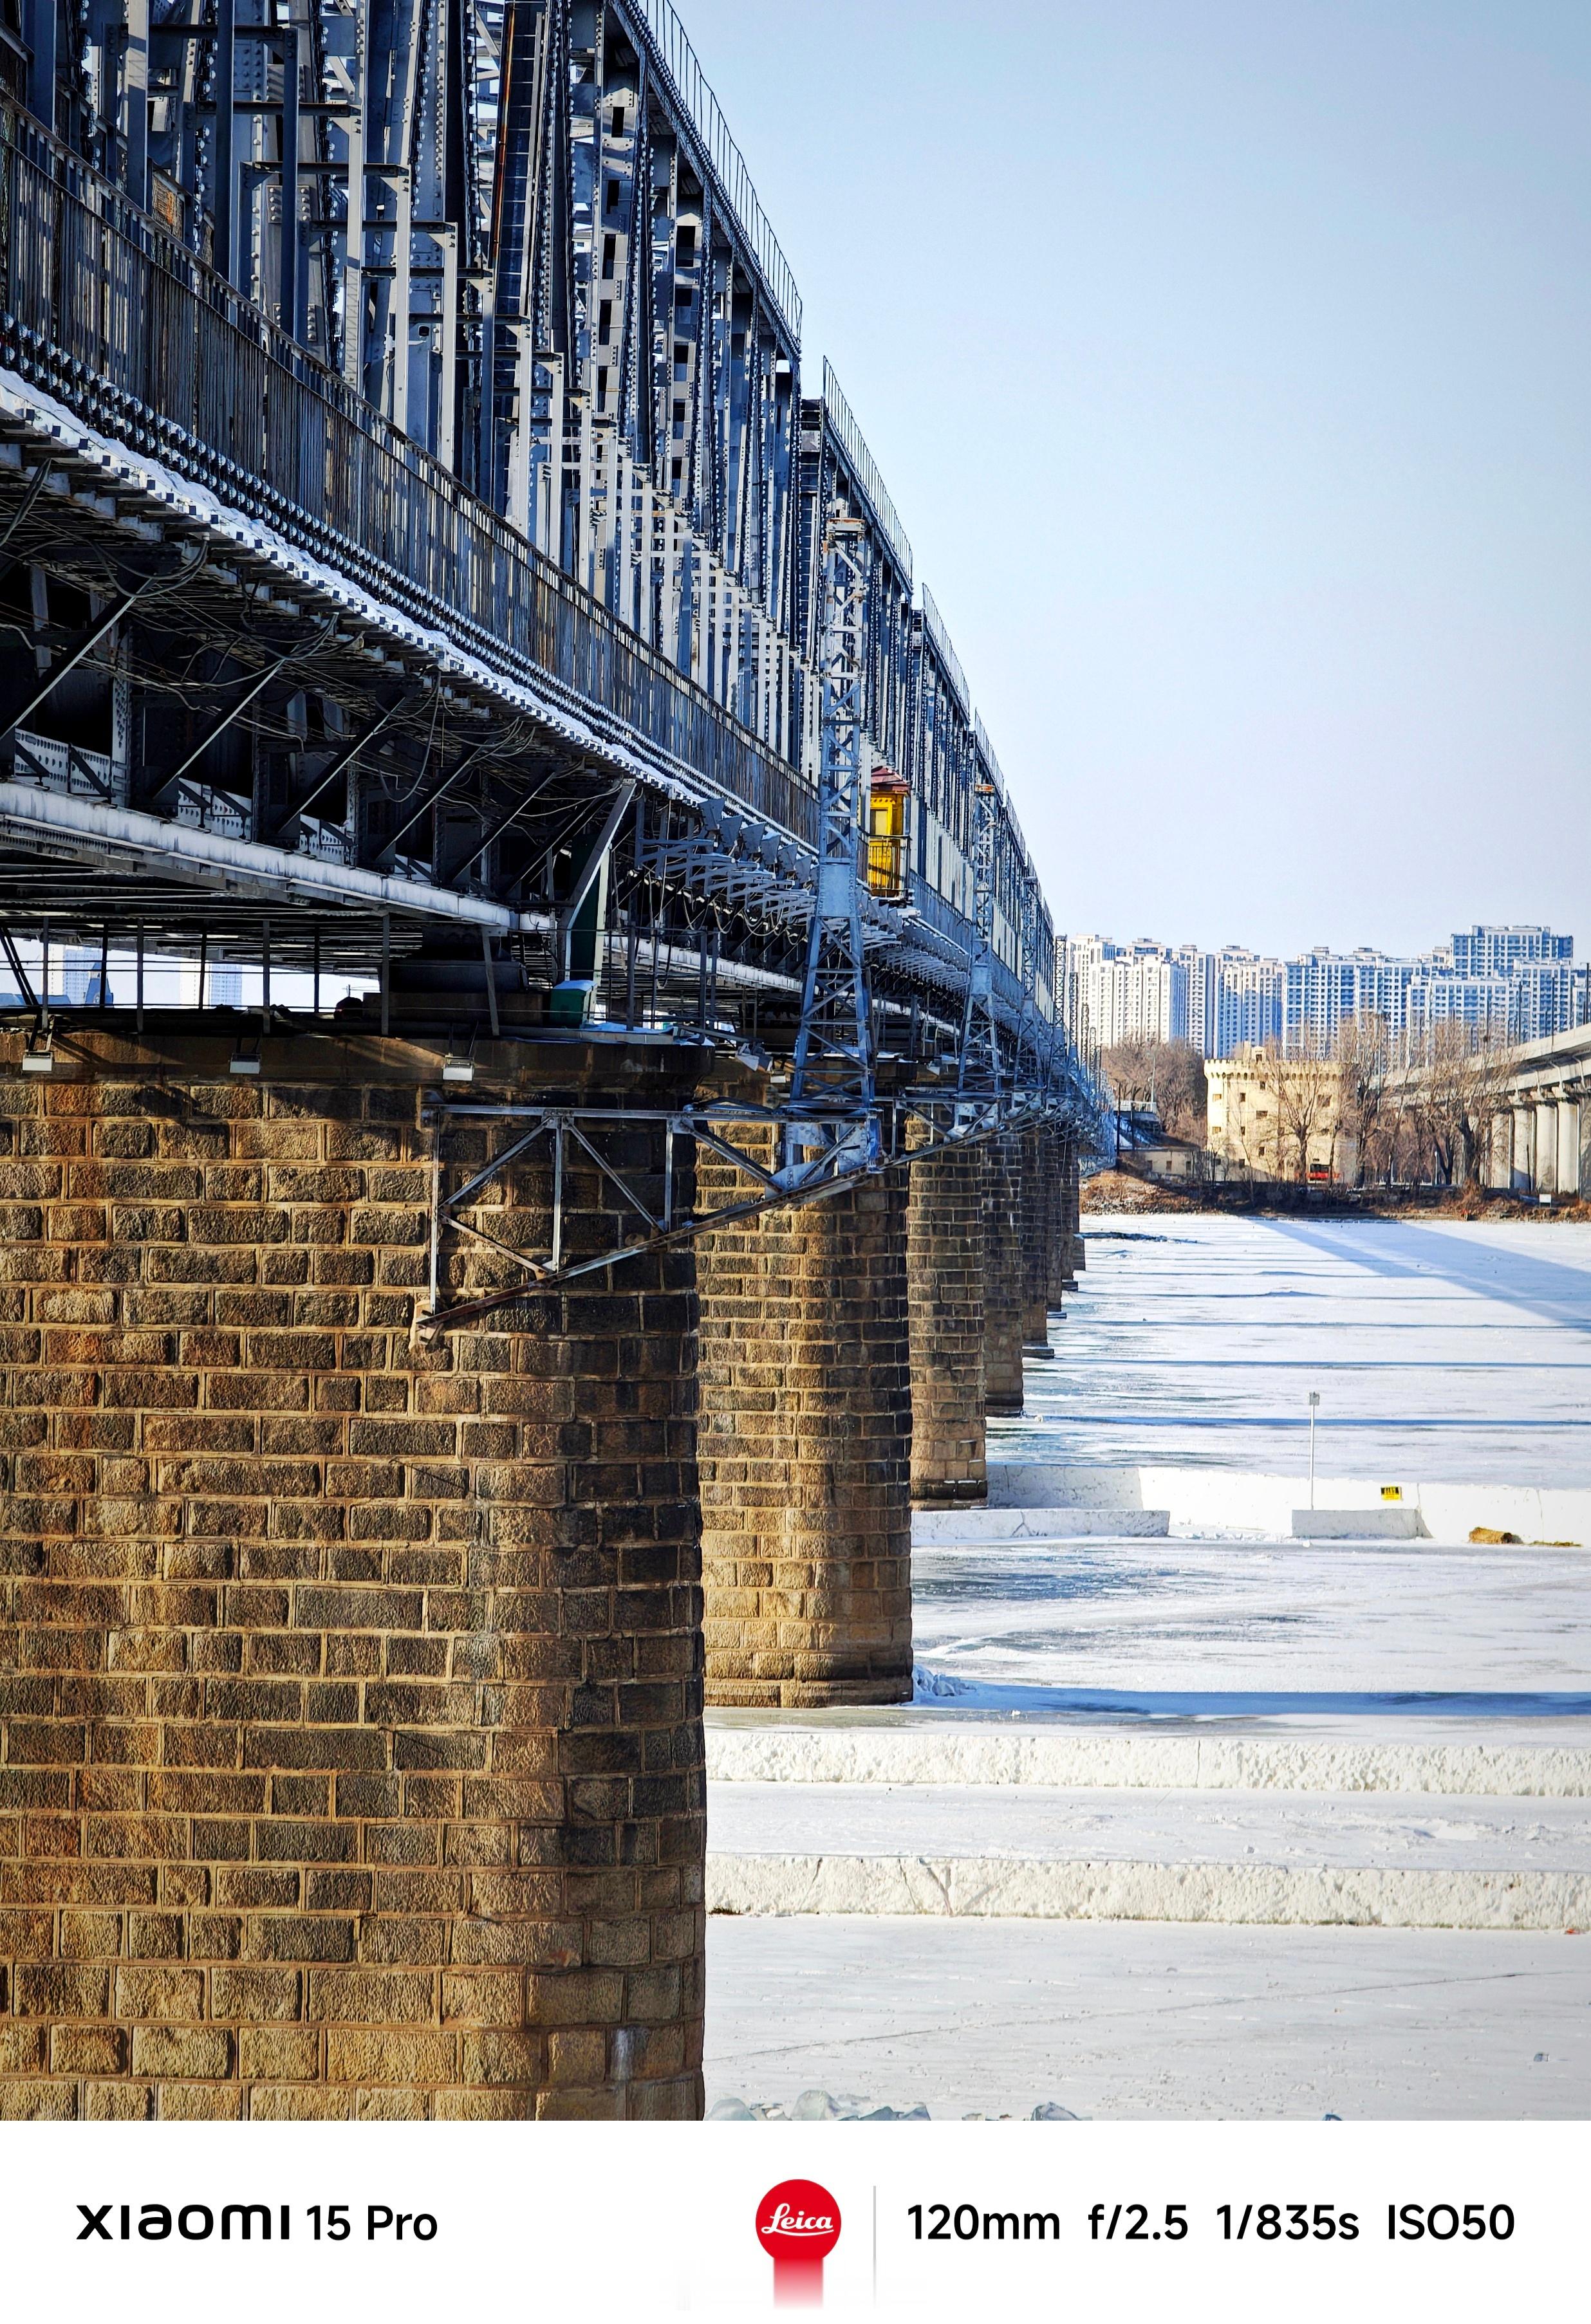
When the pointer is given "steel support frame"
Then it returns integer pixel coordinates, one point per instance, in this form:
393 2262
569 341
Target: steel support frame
953 1123
980 1068
832 1116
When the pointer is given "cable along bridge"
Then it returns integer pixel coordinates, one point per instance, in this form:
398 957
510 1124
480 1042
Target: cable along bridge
424 566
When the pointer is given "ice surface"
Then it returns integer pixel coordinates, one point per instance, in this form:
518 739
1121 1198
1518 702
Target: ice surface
1447 1352
1142 2020
1230 1627
1041 1824
1451 1352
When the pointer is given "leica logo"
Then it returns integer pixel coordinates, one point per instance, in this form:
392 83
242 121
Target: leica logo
786 2221
798 2223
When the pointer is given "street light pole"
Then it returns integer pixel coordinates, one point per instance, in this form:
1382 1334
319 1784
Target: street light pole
1314 1408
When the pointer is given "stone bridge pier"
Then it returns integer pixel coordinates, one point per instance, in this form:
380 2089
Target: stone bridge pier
1006 1302
806 1446
947 1246
352 1678
352 1687
851 1350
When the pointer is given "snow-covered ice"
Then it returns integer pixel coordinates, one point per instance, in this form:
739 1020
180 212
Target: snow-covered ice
1443 1351
1439 1349
1140 1628
1175 1961
1144 2020
1037 1823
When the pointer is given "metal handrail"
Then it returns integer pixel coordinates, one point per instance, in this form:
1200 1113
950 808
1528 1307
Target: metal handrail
950 660
864 468
678 59
886 864
120 322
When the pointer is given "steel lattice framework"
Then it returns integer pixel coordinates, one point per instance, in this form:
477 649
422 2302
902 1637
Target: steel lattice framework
424 565
831 1087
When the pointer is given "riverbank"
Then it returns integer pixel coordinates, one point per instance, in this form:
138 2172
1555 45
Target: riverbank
1127 1194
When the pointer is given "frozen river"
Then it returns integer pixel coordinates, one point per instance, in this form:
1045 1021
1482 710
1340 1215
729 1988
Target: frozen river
1119 1940
1440 1350
1145 2021
1444 1353
1285 1628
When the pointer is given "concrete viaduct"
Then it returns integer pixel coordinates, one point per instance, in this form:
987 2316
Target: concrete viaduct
1541 1142
427 570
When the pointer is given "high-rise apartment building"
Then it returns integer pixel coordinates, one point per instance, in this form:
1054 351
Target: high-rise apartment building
1498 952
1251 1001
1513 983
1125 992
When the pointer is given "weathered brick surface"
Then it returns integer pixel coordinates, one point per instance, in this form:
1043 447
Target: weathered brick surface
1004 1273
1065 1242
806 1447
350 1689
1037 1198
945 1246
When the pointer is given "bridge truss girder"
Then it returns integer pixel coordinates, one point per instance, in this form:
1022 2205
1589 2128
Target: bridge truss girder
581 1131
292 723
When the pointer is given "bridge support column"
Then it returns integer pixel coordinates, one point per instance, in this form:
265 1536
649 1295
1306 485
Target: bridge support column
1544 1147
1004 1283
1521 1160
1038 1207
945 1255
353 1745
806 1448
1566 1180
1073 1257
1059 1241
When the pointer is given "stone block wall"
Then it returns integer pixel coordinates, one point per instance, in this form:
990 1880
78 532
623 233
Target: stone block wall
1004 1274
945 1246
1064 1240
806 1447
1076 1254
1038 1203
349 1688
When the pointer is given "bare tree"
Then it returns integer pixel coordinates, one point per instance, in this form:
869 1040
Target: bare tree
1438 1100
1363 1051
1303 1089
1167 1076
1129 1067
1181 1092
1306 1105
1451 1103
1490 1065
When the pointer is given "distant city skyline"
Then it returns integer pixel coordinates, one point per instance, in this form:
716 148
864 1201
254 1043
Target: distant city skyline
1515 981
1321 943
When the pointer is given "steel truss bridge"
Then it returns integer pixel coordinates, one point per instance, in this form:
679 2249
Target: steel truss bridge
422 561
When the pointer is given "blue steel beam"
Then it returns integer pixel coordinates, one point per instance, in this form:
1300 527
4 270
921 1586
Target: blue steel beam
511 349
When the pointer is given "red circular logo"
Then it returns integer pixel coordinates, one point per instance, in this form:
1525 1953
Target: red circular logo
798 2225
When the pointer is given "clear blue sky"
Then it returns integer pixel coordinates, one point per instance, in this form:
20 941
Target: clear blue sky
1229 362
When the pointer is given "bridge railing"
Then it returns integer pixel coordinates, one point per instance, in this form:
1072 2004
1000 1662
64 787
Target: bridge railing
120 322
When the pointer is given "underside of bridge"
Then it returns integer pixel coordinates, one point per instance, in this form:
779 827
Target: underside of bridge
528 1077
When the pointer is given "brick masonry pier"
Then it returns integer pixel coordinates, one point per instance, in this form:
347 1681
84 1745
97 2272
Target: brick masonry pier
353 1754
1005 1297
1038 1207
946 1240
806 1448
